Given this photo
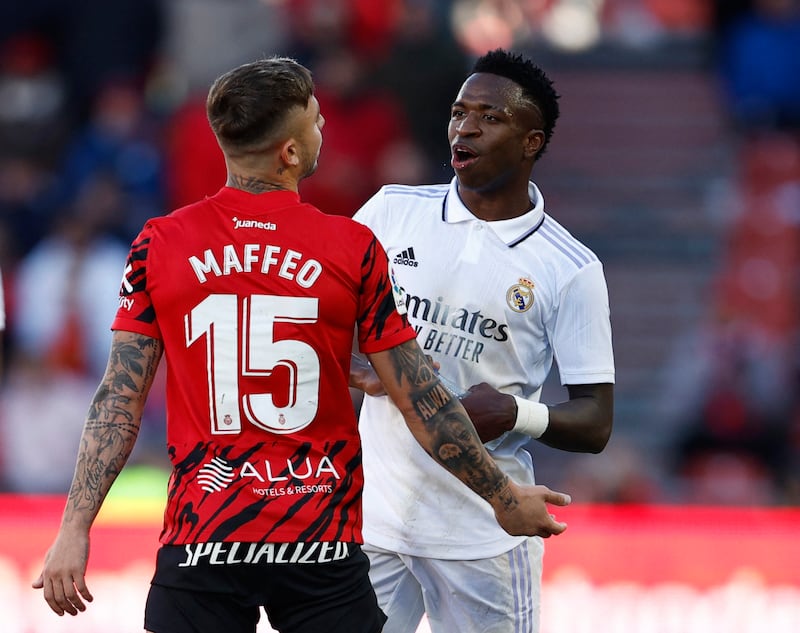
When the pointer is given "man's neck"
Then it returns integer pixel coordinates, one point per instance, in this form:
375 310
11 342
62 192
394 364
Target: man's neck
496 207
257 184
260 173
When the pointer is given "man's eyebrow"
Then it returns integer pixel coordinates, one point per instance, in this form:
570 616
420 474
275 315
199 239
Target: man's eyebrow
480 106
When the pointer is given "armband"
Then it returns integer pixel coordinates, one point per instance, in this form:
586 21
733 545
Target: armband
532 417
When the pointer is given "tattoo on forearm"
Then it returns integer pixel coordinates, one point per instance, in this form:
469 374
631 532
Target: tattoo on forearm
112 422
454 441
430 403
411 365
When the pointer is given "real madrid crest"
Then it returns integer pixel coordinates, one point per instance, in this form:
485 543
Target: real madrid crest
520 296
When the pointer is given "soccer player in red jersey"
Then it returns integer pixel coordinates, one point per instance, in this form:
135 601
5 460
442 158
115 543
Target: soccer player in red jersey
254 298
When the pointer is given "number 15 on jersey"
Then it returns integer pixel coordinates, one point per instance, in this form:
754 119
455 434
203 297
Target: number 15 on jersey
244 345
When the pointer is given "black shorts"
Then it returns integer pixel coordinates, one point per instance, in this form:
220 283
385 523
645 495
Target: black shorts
303 588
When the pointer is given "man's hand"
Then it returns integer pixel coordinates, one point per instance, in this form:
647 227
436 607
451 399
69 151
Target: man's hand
63 575
364 378
523 511
492 412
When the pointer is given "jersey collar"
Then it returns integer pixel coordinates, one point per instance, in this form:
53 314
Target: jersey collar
512 231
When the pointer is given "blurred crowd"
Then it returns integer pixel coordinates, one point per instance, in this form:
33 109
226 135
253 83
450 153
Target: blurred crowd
734 384
102 125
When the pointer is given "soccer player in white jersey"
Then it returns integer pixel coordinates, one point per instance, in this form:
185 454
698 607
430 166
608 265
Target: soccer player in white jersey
496 288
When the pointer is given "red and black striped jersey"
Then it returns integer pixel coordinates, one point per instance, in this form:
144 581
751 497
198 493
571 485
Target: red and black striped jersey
256 299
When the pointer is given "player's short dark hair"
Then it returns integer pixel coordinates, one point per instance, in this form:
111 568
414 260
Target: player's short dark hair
535 84
247 105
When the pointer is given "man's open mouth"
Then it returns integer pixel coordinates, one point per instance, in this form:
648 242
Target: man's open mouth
462 156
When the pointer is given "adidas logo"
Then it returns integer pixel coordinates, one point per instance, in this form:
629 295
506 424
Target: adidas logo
406 258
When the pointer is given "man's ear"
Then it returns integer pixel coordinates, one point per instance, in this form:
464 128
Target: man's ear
534 141
289 153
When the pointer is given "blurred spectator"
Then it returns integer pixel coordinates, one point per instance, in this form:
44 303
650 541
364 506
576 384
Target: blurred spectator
33 98
423 72
759 62
121 137
744 444
204 38
194 165
66 292
722 477
681 16
66 288
738 428
94 41
481 25
33 129
367 138
41 418
365 26
231 33
621 474
733 384
25 208
761 236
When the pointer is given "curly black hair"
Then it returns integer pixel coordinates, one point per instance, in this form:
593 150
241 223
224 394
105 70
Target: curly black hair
535 84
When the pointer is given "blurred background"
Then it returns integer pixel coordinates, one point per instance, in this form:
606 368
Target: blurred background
676 158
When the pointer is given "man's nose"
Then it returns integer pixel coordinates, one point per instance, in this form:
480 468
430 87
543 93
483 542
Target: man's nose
469 124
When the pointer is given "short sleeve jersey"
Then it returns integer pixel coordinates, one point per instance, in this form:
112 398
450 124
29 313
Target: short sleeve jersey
490 301
256 299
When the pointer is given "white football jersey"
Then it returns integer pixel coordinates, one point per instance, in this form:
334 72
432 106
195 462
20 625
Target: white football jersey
491 302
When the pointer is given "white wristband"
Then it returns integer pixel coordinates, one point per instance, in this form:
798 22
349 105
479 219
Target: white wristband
532 417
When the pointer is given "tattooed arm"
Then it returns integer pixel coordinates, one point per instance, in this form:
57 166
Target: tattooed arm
440 424
109 433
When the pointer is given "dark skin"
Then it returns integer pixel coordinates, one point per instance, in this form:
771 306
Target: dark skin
495 137
582 424
499 132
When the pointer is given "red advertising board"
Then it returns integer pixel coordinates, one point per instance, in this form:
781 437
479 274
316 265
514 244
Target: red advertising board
699 546
624 569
